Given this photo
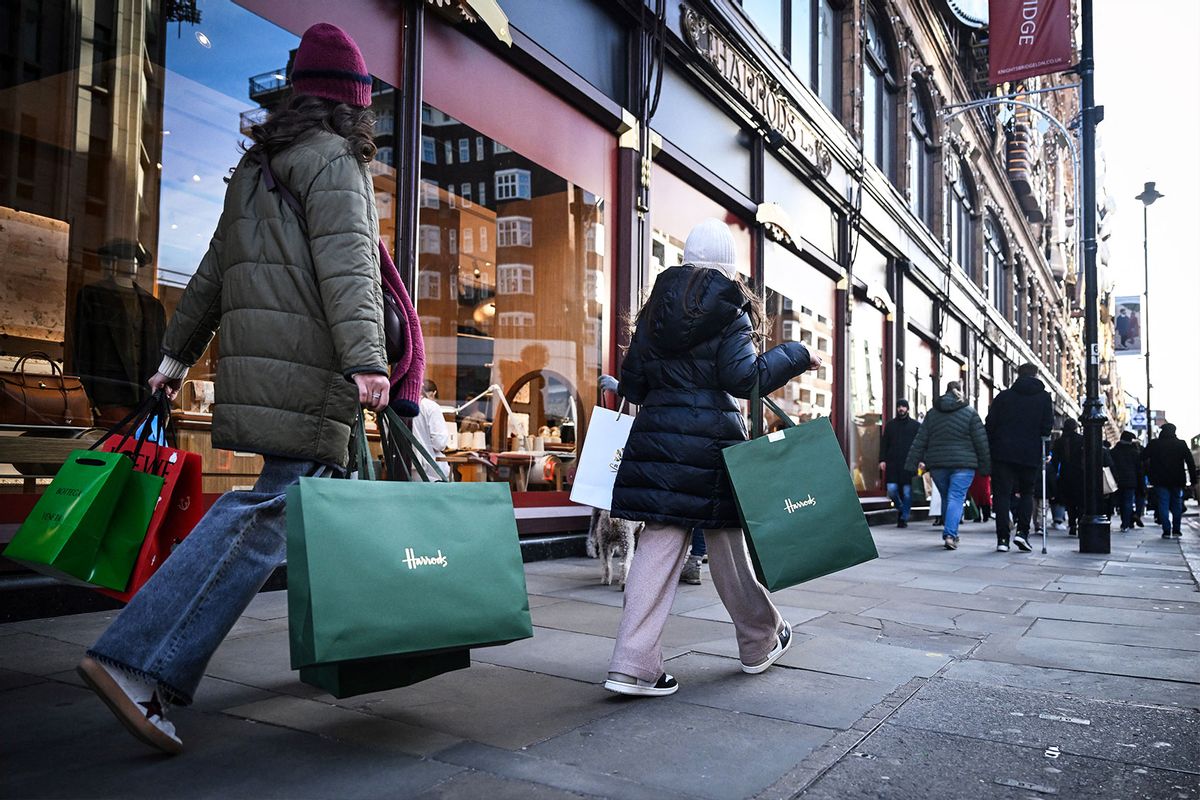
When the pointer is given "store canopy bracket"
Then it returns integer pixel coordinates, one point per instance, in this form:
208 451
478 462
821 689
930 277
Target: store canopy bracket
778 224
488 11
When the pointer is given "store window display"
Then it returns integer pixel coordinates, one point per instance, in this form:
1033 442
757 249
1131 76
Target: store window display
514 288
800 307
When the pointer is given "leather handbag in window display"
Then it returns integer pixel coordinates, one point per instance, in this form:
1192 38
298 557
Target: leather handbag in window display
28 398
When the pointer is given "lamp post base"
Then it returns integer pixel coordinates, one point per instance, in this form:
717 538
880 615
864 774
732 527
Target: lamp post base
1094 535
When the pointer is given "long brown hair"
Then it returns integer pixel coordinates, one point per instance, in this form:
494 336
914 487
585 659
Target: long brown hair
754 307
304 112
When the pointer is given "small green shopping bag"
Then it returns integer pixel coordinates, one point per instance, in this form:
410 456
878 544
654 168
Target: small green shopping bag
799 510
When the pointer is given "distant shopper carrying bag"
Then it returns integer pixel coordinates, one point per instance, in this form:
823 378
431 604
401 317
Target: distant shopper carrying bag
302 349
692 352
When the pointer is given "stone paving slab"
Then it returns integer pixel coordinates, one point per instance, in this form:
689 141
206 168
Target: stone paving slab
472 785
79 750
1169 694
898 762
793 695
601 620
1137 604
676 746
1161 620
1118 634
38 655
793 614
1119 732
1113 659
497 706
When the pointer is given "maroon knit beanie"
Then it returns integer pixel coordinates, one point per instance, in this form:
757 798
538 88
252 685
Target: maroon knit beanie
329 64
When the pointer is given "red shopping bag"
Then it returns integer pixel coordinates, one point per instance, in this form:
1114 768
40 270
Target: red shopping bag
178 510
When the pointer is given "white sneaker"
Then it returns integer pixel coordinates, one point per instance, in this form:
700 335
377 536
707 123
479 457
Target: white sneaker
636 687
1001 548
1058 526
135 703
1021 542
781 646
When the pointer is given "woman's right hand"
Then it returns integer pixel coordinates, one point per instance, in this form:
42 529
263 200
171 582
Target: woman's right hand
814 361
169 386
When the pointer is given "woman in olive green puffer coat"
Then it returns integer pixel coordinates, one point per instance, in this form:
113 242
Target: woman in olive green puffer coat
953 445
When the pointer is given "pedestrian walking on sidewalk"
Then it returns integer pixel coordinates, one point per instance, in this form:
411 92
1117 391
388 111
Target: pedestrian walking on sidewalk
693 351
1067 463
1170 467
1018 419
302 349
898 436
952 444
1127 470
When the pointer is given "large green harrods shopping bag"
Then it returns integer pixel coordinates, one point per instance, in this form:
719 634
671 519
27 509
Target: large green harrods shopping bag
799 510
378 570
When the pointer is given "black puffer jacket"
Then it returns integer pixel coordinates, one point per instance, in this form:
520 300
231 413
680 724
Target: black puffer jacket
691 351
1168 461
1018 419
1127 464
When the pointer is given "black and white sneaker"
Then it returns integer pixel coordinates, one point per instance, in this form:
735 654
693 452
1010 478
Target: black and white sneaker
1002 548
145 718
1022 542
635 687
781 647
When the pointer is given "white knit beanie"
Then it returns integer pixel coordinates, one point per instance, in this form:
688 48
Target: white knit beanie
710 244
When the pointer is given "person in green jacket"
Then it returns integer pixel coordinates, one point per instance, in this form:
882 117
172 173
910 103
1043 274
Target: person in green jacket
952 444
302 348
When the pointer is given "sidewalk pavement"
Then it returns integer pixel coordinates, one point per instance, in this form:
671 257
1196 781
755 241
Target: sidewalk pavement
924 674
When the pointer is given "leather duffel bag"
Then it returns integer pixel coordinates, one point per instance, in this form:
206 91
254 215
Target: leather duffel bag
39 399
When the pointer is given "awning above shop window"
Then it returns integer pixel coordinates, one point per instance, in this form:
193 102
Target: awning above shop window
488 11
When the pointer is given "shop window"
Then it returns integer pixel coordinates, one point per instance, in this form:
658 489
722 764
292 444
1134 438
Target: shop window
514 231
539 340
464 151
921 151
960 223
768 16
117 138
464 193
867 394
512 184
430 238
789 281
514 279
880 91
995 265
428 150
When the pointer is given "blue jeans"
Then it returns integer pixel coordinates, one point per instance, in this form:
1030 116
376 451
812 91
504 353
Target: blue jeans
901 495
952 485
1169 499
1125 499
699 546
173 625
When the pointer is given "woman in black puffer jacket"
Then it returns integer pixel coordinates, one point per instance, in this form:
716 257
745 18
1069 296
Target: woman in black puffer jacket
692 352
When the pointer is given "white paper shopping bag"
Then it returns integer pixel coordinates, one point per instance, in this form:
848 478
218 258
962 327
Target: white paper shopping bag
597 472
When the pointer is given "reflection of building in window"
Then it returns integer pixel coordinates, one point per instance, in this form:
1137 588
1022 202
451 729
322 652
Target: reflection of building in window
514 279
384 155
789 331
429 194
482 193
429 286
479 148
821 318
592 286
468 240
514 232
498 148
464 191
592 238
450 199
515 319
448 148
806 337
428 150
483 240
805 396
512 184
383 202
822 344
788 305
430 239
453 241
823 374
430 325
464 151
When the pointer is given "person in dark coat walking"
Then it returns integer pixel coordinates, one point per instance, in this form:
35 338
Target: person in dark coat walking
1169 465
691 353
898 436
952 443
1066 462
1127 470
1019 419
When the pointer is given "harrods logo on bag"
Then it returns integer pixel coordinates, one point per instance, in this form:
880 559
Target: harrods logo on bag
413 560
791 505
615 464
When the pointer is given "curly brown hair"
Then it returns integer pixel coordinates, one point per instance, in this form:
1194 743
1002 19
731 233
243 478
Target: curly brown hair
304 112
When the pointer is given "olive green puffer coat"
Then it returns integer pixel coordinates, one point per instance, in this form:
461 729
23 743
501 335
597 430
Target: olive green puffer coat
951 437
298 316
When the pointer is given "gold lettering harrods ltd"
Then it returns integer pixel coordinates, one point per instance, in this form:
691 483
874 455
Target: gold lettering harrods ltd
757 88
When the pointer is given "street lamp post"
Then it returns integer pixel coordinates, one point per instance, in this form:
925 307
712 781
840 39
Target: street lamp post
1148 196
1094 528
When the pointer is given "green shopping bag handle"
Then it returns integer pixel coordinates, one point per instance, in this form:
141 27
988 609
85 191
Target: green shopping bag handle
407 439
362 455
154 406
756 398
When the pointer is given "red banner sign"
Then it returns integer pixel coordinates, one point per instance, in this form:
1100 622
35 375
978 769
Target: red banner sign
1027 38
